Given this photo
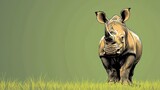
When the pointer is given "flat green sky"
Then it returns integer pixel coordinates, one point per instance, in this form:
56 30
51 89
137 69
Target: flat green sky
59 38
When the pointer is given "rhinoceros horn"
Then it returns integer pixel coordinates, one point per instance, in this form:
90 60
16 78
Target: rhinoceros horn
108 35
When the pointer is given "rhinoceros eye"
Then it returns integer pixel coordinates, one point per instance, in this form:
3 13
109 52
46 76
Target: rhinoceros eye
122 39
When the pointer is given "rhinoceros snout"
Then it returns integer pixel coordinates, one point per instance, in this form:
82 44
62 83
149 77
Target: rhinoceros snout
112 48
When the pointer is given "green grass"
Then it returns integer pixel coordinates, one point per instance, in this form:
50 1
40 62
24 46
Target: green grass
40 84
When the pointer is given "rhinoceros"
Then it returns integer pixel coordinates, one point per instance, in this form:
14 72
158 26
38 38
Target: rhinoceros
120 49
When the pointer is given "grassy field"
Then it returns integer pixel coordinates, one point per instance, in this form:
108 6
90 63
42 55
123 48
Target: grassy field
40 84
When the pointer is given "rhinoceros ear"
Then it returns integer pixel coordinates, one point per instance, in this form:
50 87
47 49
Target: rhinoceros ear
125 14
101 17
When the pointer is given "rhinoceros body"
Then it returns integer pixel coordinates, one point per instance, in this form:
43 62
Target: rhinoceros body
120 49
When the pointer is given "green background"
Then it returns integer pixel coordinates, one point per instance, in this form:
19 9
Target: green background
59 39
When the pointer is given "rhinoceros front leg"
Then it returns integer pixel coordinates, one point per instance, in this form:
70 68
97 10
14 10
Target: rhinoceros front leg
131 72
126 68
111 71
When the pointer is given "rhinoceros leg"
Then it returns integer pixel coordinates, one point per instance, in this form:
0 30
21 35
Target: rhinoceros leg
113 75
126 68
131 72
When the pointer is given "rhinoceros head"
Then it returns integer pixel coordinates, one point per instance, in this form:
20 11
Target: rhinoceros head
115 31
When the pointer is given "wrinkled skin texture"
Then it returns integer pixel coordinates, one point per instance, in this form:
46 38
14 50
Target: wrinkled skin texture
120 49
